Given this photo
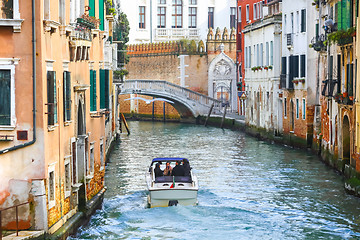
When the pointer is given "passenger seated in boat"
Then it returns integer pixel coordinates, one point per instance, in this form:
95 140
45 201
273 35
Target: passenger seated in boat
187 168
178 170
157 170
168 169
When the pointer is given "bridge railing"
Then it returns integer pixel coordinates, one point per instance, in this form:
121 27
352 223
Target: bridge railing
173 89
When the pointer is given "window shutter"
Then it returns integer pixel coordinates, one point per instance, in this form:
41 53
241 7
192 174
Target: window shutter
5 97
296 66
283 65
102 88
92 8
303 20
339 16
350 79
107 89
101 14
51 95
92 90
67 96
302 65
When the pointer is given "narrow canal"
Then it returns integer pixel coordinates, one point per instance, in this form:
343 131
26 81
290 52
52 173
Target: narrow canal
249 189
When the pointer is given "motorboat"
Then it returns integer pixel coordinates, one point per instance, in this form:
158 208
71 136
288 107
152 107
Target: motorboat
171 190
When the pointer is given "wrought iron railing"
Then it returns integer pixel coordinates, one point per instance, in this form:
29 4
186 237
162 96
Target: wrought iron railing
318 43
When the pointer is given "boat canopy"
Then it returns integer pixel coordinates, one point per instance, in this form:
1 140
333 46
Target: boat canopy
155 160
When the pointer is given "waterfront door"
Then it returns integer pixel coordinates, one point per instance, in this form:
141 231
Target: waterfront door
346 140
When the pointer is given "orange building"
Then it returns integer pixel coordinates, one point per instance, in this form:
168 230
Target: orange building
56 100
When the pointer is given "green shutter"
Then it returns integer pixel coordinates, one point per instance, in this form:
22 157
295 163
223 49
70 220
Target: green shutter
92 90
350 79
67 96
51 95
102 89
107 89
92 8
339 16
5 97
302 65
101 14
346 14
303 20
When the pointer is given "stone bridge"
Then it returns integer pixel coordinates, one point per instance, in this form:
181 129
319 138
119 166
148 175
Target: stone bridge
187 102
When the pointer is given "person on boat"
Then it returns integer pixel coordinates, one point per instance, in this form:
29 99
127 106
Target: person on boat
157 170
187 168
168 169
178 170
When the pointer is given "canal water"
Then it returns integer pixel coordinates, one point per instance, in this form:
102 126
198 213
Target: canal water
249 189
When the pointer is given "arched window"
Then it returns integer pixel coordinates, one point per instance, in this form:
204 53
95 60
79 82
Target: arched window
177 14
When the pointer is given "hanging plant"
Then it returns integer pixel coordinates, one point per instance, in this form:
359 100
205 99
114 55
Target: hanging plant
342 37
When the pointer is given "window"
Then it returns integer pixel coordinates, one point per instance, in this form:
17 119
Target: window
104 89
192 2
192 17
303 20
247 13
283 65
292 22
246 57
67 96
249 49
161 17
51 185
67 177
285 24
302 65
161 1
5 97
285 108
239 14
177 14
92 159
261 55
255 11
257 55
51 97
232 17
296 66
142 17
102 154
62 11
93 90
297 21
267 54
303 109
297 108
211 17
271 53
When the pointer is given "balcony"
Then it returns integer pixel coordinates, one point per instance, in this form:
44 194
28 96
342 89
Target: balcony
177 33
81 33
318 43
289 39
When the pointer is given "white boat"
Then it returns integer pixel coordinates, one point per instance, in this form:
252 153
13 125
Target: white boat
171 190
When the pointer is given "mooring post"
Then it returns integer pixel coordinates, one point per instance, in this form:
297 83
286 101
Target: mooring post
0 227
125 123
153 110
223 118
208 116
164 111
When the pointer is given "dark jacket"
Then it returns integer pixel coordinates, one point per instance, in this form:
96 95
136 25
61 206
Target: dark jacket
158 172
178 170
187 169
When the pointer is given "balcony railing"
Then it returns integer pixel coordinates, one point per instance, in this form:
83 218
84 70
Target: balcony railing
177 33
81 33
289 39
318 43
283 81
6 9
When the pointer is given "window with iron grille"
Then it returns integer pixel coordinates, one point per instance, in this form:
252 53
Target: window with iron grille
67 95
177 14
51 97
303 108
5 97
142 17
161 17
192 2
247 13
192 17
303 20
239 14
210 17
232 17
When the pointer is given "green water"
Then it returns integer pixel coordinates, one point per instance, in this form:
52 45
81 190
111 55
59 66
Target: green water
249 189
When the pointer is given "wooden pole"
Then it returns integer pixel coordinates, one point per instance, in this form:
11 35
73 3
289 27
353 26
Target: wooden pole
208 116
223 118
125 123
164 111
17 221
0 227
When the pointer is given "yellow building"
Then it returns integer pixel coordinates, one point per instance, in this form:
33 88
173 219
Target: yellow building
56 101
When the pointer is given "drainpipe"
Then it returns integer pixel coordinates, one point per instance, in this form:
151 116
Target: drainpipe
34 87
151 28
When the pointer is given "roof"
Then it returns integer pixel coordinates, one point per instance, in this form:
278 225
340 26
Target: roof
168 159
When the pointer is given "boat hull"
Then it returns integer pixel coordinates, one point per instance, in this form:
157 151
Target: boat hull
170 197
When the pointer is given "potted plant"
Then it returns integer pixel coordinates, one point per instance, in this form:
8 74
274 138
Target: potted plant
296 81
266 67
254 69
345 94
270 67
302 80
351 98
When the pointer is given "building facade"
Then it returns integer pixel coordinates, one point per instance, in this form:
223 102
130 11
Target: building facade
262 72
170 20
56 120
